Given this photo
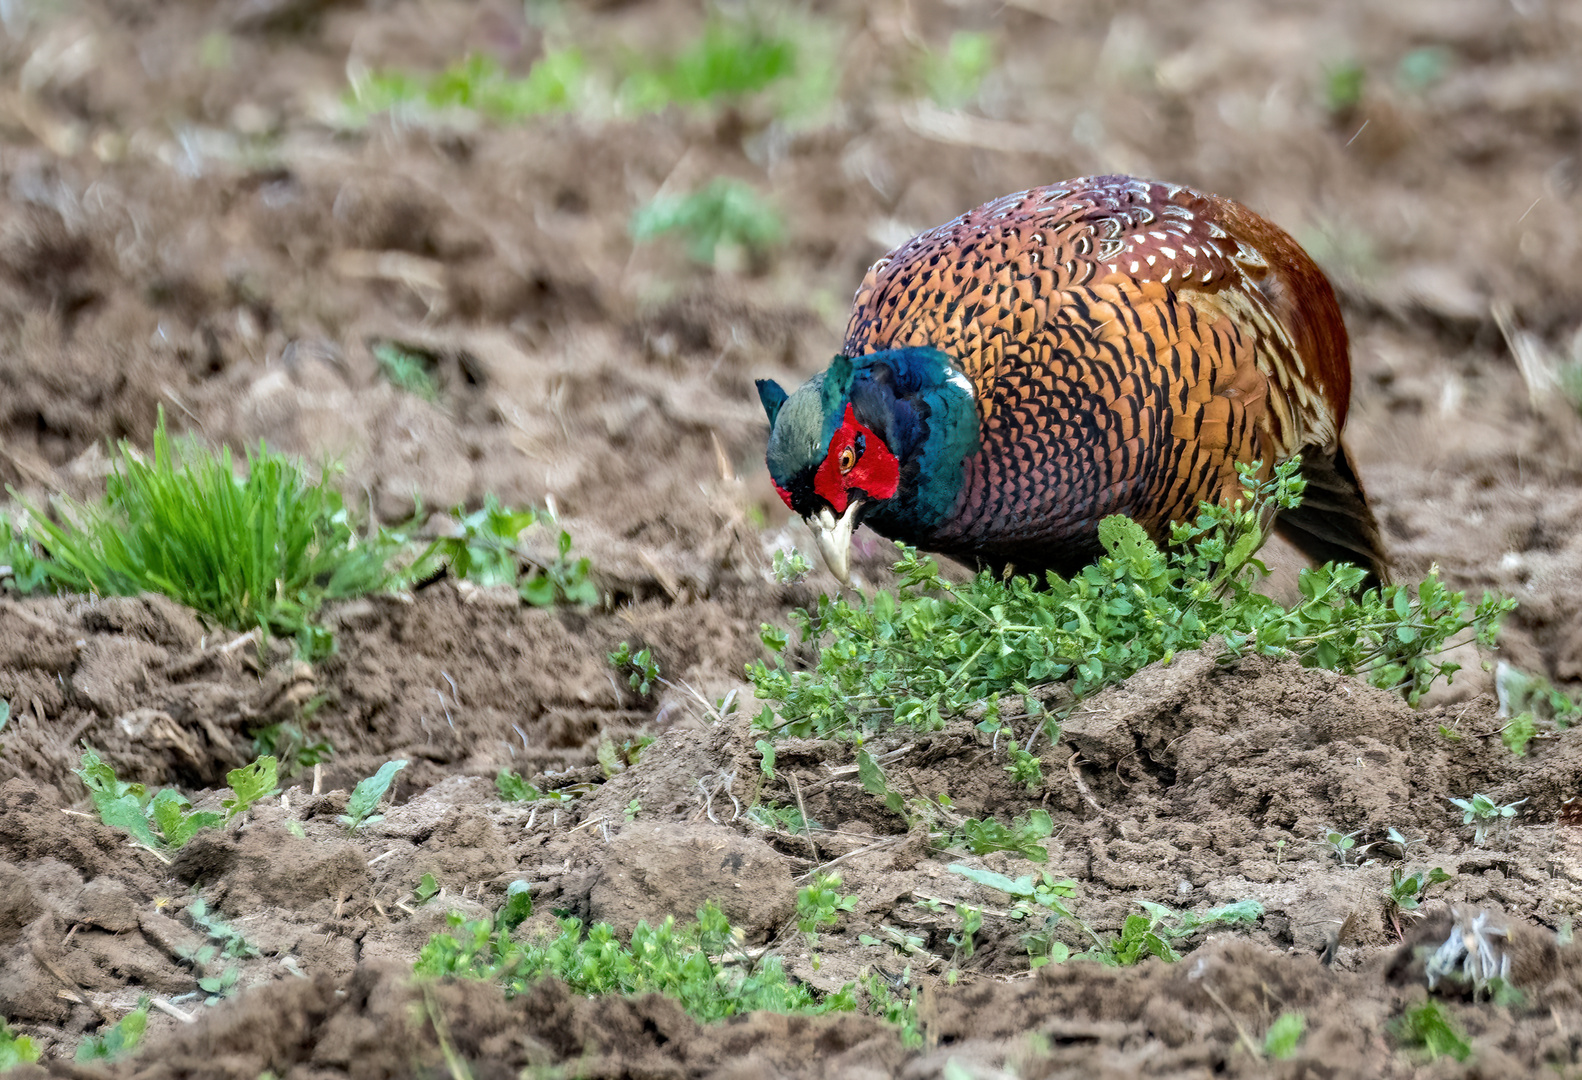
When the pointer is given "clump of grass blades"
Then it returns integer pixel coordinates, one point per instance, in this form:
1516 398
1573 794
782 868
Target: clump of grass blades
932 649
262 551
476 84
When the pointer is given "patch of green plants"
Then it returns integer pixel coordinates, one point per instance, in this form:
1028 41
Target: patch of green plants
820 904
700 965
120 1040
483 549
885 1002
789 567
406 369
1279 1043
933 648
781 819
262 551
1044 897
1343 86
287 742
1022 836
165 819
216 978
513 788
718 224
1430 1028
15 1049
477 84
1533 703
1343 846
366 796
731 59
614 757
1484 814
21 569
1407 891
952 77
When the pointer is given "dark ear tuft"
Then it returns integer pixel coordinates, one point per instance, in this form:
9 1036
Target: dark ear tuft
772 396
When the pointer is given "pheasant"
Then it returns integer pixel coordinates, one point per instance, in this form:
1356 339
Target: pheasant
1106 345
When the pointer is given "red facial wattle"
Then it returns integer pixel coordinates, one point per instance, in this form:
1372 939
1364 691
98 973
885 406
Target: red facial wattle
872 468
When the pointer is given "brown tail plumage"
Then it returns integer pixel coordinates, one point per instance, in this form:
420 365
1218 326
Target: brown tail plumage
1335 522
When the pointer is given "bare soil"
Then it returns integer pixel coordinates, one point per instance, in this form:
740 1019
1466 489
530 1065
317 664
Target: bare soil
182 229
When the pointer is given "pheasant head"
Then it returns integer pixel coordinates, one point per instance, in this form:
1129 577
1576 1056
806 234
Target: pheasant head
881 437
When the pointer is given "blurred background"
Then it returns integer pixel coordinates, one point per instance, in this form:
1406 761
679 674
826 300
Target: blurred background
541 250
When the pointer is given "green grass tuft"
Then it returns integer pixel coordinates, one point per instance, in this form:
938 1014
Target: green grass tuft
407 369
1283 1035
265 551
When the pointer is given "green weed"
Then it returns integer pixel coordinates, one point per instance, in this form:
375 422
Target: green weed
1045 897
427 888
781 819
953 77
640 668
687 963
885 1003
15 1049
366 796
1343 87
790 567
262 551
718 224
1407 891
287 742
224 940
251 783
483 549
1483 814
164 819
1022 835
407 369
1283 1035
729 61
1431 1028
934 648
119 1041
1343 846
1530 701
819 905
616 757
475 85
21 568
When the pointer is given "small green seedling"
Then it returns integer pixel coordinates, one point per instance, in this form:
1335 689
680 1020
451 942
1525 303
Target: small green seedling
251 783
781 819
790 566
1483 813
15 1049
1283 1035
819 905
642 670
720 224
885 1003
366 796
164 819
1021 836
1343 846
407 369
119 1041
965 941
1025 768
1431 1028
1403 843
513 788
766 755
1407 891
633 808
618 757
874 781
427 888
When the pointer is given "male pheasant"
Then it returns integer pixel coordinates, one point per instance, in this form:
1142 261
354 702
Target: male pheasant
1107 345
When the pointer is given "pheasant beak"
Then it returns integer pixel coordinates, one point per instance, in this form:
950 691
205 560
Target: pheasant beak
834 538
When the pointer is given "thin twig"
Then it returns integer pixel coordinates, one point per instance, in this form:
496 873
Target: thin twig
1082 788
170 1010
807 826
1246 1040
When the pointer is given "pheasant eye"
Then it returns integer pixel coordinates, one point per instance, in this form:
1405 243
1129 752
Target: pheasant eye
848 459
